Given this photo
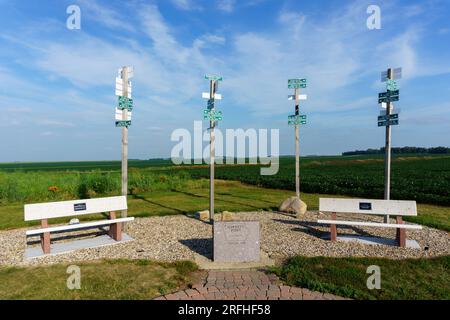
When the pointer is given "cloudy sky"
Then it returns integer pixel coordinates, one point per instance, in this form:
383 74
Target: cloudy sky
57 85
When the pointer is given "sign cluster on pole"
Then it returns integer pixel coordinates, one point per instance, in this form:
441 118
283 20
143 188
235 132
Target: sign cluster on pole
123 120
213 116
296 120
388 119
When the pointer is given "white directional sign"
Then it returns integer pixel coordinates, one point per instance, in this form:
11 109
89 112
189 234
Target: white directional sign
119 88
206 95
397 110
397 75
119 84
119 115
300 97
130 72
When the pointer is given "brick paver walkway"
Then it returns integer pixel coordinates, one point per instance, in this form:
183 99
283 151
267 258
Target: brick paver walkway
244 285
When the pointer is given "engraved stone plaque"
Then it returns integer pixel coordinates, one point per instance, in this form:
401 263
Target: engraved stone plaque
236 241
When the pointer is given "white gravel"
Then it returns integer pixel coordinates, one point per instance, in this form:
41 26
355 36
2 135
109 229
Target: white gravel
174 238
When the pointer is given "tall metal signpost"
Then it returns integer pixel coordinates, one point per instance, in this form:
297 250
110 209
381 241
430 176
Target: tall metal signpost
213 116
296 120
388 119
123 120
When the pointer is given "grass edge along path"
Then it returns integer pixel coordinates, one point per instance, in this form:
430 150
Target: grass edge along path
104 279
406 279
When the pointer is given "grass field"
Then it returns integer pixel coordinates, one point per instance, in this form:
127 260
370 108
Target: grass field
230 196
400 279
425 179
105 280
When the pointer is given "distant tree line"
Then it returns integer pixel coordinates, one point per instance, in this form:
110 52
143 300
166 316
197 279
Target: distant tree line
402 150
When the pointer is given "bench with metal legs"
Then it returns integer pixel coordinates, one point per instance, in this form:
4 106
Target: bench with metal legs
46 211
371 207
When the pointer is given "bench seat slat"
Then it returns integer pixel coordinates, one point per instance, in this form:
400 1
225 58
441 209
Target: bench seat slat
77 226
368 206
371 224
62 209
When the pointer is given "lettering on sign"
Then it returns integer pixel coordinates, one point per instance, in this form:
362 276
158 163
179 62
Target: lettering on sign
236 233
365 206
79 207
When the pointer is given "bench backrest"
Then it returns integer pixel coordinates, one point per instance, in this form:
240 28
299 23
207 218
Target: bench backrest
41 211
367 206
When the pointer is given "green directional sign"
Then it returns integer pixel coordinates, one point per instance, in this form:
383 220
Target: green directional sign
295 122
212 115
297 119
391 85
123 123
296 83
296 86
294 117
388 117
125 103
389 96
388 123
214 78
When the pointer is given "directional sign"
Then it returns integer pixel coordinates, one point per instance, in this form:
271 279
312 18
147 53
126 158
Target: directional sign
119 115
388 117
214 78
130 72
119 84
212 115
296 86
389 93
297 119
296 83
300 116
397 75
387 123
123 123
300 97
206 95
391 85
389 96
393 93
119 88
296 122
125 103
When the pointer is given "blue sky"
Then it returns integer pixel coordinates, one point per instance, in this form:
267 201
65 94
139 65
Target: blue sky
57 85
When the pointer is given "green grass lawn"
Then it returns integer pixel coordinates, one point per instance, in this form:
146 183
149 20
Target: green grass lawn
111 280
400 279
230 196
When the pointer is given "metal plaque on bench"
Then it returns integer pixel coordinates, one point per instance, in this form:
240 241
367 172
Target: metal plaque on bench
236 241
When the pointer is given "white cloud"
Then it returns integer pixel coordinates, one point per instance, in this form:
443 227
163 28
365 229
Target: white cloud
47 134
226 5
55 123
91 9
188 5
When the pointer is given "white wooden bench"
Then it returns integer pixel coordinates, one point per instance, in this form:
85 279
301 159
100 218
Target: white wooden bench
46 211
371 207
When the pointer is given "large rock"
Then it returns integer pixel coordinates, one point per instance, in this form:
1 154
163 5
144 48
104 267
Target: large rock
203 215
294 205
227 216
